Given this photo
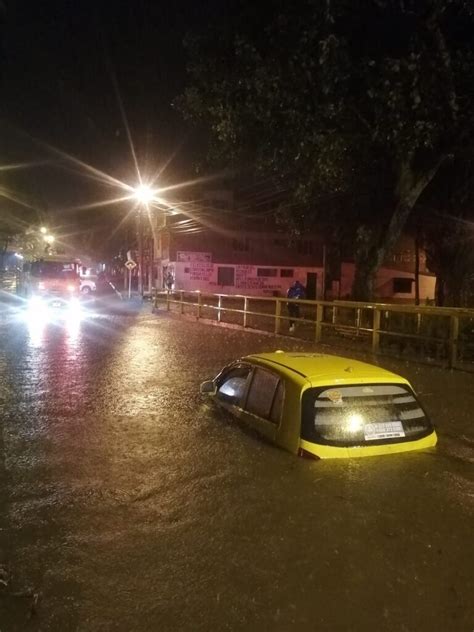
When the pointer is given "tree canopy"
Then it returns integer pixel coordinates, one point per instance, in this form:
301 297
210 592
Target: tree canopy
355 102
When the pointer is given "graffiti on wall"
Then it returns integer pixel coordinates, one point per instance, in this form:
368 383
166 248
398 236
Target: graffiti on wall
187 256
200 271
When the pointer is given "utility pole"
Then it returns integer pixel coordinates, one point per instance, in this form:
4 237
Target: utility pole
140 252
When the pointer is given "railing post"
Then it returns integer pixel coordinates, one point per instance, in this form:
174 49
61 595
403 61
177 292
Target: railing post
246 309
376 331
277 315
182 300
418 323
357 320
168 306
199 306
319 321
453 340
334 314
219 305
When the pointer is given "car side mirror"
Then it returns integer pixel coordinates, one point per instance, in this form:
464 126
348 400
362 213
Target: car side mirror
208 388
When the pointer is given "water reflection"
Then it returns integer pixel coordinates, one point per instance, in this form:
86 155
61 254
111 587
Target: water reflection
36 331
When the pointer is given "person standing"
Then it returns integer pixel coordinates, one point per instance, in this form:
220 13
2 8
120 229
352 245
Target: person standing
296 291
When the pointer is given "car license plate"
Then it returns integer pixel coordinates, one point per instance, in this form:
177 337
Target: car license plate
387 430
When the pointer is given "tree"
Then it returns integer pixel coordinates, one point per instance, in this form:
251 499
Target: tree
360 100
445 217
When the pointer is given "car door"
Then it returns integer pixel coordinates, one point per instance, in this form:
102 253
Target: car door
264 402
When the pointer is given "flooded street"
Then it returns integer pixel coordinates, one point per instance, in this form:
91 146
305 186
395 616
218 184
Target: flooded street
126 503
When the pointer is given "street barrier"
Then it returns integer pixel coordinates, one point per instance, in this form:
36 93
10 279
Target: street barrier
442 335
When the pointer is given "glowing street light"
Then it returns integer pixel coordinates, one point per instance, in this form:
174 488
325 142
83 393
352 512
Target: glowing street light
144 194
49 239
43 230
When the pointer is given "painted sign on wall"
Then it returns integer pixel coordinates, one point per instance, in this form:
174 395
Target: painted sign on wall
188 256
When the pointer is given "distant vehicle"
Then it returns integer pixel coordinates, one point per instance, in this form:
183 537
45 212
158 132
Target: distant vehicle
323 406
51 282
88 284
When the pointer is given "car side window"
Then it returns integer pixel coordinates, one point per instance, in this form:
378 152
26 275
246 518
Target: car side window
232 385
263 389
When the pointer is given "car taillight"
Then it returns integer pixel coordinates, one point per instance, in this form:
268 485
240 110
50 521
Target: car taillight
71 288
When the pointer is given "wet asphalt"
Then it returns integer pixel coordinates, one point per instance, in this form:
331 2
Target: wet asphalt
126 503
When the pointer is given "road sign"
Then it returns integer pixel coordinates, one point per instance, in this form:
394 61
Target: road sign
130 264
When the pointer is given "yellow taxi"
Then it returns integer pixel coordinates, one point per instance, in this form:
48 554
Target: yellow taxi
323 406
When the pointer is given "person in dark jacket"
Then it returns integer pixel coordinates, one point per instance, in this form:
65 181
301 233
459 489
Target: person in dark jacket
296 290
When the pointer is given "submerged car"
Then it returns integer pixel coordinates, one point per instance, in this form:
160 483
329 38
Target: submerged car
323 406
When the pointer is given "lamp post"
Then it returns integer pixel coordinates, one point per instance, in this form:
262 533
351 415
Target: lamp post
49 241
144 195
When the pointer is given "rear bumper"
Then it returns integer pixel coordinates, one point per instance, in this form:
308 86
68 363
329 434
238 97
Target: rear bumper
331 452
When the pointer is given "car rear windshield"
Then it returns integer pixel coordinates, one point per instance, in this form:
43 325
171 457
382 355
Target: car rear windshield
368 414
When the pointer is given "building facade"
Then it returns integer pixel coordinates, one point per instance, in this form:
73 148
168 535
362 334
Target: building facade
265 263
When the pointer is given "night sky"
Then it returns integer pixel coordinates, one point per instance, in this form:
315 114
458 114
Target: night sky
59 63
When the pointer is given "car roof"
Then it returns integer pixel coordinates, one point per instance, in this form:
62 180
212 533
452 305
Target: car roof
320 367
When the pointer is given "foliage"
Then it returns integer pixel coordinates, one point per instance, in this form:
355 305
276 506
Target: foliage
354 105
446 216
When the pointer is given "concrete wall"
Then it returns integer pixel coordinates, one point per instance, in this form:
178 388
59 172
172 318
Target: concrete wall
204 276
384 285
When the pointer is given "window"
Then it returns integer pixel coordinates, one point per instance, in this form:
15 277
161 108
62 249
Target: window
304 247
267 272
402 285
187 270
225 276
241 245
286 272
232 385
262 394
366 414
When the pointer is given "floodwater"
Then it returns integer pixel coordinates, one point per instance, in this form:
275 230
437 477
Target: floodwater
126 503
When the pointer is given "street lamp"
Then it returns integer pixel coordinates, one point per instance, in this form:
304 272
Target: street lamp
43 230
49 239
144 194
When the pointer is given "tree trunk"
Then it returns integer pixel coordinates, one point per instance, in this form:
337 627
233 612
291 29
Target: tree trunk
364 279
439 290
371 251
417 266
456 289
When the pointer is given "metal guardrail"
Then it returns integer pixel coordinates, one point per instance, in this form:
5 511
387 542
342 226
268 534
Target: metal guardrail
442 334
